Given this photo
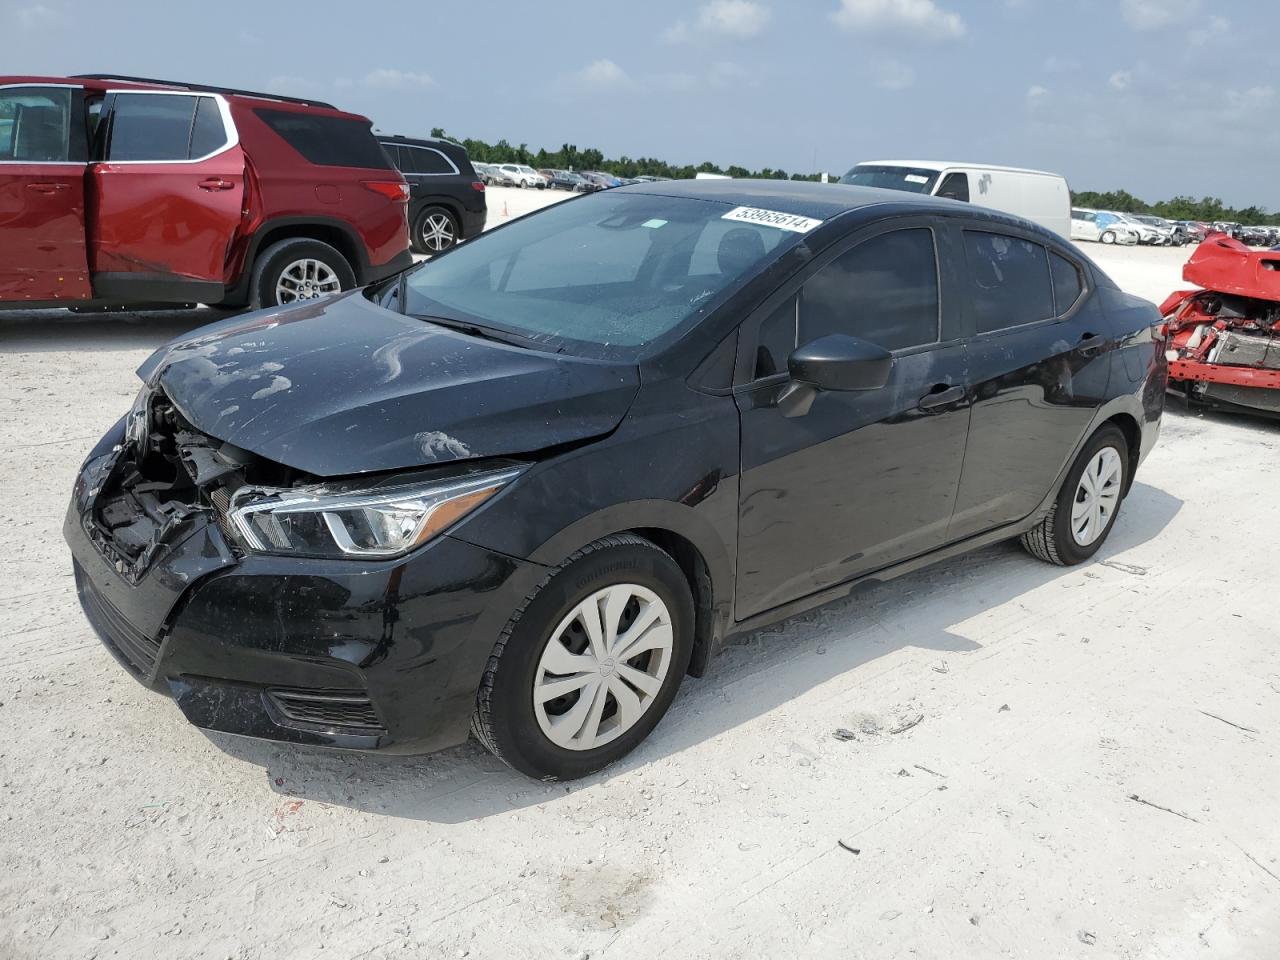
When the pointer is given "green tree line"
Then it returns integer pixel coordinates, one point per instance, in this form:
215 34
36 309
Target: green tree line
1207 209
569 157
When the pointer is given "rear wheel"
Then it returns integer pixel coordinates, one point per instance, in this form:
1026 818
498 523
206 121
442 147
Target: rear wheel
590 662
1081 518
435 230
299 269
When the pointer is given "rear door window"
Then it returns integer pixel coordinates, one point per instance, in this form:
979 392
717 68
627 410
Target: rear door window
35 124
884 290
208 135
1067 285
1009 280
432 162
151 127
327 141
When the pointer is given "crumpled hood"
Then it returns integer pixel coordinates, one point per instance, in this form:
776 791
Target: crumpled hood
342 386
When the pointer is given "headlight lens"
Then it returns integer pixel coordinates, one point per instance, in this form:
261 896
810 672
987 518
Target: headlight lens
372 524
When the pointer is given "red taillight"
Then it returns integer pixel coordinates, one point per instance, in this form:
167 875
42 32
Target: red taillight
477 186
391 189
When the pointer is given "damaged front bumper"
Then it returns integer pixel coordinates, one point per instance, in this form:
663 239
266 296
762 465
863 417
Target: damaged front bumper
372 655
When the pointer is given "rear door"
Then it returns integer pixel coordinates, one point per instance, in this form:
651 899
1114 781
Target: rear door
165 196
42 220
863 479
1039 364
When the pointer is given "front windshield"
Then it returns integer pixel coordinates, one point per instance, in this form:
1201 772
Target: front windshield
892 178
601 276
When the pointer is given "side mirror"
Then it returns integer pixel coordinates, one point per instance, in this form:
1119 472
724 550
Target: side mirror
839 362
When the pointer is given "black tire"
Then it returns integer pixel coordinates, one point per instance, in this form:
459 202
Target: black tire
273 261
505 722
1108 237
1051 540
427 221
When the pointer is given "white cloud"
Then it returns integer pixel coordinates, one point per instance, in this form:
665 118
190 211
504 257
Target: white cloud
1056 64
1158 14
1121 80
1216 29
39 15
725 74
1037 93
387 78
921 18
678 32
893 74
294 86
737 19
733 18
602 73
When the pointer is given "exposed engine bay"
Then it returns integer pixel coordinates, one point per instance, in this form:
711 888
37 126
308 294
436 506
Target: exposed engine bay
166 474
1224 340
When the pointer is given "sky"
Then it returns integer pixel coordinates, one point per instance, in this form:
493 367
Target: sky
1158 97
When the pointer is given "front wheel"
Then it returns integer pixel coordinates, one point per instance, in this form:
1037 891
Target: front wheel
1081 518
589 663
435 230
1108 237
299 269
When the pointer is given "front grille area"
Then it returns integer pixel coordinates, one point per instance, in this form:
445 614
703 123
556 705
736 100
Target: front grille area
138 651
330 708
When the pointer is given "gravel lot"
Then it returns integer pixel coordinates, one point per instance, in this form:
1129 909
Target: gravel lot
1093 773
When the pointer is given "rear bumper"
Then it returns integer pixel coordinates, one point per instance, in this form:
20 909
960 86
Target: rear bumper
402 261
372 656
473 222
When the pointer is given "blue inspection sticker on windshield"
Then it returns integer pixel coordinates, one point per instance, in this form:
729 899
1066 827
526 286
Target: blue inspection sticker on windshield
772 218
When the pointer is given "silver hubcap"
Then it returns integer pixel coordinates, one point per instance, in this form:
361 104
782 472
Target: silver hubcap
1097 496
437 232
603 667
306 280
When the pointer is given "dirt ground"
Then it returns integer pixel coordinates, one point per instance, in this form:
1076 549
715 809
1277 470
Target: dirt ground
1039 762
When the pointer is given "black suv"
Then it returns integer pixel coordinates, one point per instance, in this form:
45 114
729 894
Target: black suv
447 202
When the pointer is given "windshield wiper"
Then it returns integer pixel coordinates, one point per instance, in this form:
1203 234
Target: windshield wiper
481 331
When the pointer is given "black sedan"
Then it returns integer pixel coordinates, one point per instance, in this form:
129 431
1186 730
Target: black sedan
526 488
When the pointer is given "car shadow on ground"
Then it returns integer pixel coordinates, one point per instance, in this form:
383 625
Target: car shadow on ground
60 331
756 673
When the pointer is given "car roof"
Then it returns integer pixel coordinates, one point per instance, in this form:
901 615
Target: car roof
102 83
820 201
434 143
940 165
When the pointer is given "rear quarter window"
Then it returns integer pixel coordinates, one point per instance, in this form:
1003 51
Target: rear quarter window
327 141
1009 281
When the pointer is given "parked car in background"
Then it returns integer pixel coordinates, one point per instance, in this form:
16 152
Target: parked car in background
601 180
446 202
1094 226
565 180
1256 236
523 175
1173 235
1147 234
646 178
1037 196
492 175
390 564
1194 229
122 191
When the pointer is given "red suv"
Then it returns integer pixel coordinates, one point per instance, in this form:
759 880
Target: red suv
124 191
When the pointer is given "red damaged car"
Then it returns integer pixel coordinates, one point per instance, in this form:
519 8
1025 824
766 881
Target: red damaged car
1225 338
121 191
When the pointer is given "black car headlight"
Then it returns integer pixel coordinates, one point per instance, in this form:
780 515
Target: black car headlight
372 524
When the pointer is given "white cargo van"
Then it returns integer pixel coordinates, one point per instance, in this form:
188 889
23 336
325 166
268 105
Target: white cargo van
1034 195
